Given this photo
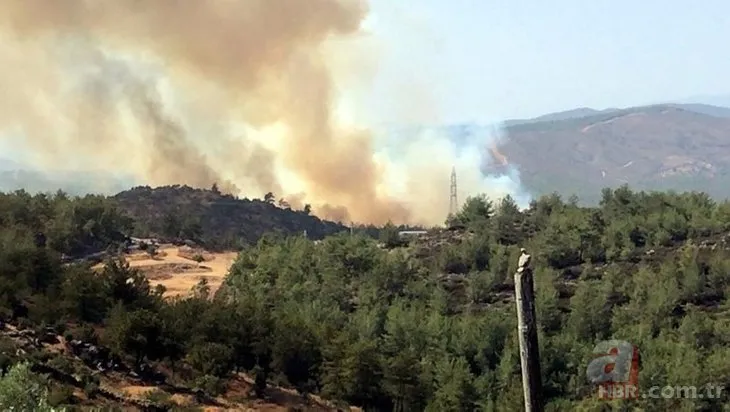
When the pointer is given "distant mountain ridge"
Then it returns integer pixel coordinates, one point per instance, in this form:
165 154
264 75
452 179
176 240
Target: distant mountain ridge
583 112
564 115
717 100
671 146
717 111
468 132
658 147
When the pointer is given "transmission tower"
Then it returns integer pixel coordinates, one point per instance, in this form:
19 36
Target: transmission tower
453 201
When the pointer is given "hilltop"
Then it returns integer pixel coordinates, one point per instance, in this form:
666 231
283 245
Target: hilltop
582 112
218 221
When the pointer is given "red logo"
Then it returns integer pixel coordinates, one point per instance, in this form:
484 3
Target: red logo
615 370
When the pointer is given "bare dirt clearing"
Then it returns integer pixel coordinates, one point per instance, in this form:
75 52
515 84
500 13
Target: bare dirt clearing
174 268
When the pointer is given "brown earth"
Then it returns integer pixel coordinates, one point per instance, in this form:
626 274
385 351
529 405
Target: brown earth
177 272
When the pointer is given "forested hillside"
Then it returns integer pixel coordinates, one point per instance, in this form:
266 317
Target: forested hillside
379 324
217 220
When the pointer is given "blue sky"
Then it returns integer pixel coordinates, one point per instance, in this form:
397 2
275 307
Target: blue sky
486 60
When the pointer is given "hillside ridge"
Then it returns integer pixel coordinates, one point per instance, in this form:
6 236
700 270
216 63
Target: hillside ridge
659 147
218 221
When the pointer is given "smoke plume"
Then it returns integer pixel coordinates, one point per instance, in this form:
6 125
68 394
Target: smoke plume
238 93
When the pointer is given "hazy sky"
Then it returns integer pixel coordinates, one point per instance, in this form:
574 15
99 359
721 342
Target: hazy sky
492 59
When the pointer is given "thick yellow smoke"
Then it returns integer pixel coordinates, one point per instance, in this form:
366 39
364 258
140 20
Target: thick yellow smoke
234 92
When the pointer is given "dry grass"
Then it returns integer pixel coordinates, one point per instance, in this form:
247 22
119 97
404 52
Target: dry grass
173 269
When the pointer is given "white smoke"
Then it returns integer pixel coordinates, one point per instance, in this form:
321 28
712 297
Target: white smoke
420 160
250 95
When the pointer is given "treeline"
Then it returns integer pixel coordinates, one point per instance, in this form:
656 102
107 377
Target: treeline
68 225
416 326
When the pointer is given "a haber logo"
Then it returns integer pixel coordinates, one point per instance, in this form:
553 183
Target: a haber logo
615 370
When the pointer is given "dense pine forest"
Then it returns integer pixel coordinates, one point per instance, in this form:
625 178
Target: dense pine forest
379 322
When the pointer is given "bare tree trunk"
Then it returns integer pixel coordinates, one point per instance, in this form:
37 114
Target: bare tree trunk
529 350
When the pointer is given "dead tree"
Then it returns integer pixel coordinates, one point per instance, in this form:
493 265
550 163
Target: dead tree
527 331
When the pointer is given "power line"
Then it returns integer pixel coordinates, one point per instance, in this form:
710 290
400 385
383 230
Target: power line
453 201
